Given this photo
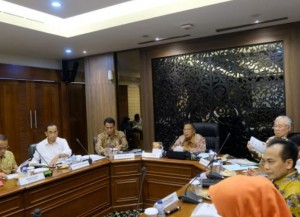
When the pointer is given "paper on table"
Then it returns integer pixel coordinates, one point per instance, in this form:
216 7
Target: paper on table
13 176
234 167
205 210
258 145
244 162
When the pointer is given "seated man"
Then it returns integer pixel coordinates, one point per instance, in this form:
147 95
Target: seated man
240 196
279 160
52 148
8 163
282 127
190 141
110 138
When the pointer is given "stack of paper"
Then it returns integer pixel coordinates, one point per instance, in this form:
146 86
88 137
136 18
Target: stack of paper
205 210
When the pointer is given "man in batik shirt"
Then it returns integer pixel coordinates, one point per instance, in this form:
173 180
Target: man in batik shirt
279 160
8 163
110 138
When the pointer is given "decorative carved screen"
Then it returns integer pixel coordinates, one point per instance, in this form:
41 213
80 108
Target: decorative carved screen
241 88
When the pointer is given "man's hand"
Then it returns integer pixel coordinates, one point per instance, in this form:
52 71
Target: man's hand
249 146
252 172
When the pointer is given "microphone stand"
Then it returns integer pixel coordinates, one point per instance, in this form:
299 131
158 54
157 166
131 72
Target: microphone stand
143 173
90 159
46 173
190 197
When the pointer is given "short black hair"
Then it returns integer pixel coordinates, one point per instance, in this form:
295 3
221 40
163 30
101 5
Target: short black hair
3 137
49 125
289 149
109 120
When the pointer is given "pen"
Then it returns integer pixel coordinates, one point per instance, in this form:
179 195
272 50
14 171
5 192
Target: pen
173 210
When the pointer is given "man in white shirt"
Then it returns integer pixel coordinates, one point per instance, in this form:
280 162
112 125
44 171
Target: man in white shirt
52 148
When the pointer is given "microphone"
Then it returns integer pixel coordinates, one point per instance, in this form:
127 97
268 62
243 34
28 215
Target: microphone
190 197
90 159
170 147
143 173
215 175
41 156
49 172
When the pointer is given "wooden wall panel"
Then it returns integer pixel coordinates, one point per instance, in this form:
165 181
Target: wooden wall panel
288 33
100 94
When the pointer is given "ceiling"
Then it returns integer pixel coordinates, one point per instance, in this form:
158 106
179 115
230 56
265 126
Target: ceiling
16 40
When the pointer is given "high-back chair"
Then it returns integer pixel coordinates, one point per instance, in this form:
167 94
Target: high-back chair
210 131
31 150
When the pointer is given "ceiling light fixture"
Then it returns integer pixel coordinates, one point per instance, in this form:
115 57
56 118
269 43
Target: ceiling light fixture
56 4
187 26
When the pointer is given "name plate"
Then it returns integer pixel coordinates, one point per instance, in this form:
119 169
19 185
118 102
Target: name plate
170 199
31 179
79 165
152 155
204 162
124 156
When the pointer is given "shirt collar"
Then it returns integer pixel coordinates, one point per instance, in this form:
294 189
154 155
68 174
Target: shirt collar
288 176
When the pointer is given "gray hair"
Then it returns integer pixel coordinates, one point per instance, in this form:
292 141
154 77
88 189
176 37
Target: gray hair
287 119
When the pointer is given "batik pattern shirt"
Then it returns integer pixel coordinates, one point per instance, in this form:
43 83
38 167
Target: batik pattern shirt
105 141
289 187
8 163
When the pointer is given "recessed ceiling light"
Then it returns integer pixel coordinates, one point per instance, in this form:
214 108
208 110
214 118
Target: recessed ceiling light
84 52
56 4
256 21
68 51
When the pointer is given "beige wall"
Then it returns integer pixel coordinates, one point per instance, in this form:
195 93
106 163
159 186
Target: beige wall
100 94
289 34
134 102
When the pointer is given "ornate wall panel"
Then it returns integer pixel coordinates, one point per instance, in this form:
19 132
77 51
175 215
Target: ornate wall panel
241 88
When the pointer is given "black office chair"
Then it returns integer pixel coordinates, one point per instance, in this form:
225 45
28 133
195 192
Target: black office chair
31 150
210 131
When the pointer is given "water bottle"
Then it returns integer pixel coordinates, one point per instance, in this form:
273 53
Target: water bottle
160 208
198 185
220 166
24 171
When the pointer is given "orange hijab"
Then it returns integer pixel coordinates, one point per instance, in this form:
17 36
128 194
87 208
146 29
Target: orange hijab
248 196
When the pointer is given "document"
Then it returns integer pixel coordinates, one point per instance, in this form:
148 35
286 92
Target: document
205 210
258 145
244 162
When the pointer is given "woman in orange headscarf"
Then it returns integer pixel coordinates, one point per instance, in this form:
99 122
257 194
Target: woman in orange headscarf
251 196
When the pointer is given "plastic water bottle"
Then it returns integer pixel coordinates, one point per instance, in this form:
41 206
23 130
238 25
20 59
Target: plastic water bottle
24 171
220 166
199 184
160 208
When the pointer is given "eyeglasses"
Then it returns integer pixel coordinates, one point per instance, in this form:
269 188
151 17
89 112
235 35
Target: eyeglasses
4 148
279 126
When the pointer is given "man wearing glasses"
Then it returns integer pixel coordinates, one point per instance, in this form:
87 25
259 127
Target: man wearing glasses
282 126
8 163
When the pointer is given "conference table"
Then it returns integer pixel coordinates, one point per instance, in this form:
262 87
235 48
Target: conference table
105 186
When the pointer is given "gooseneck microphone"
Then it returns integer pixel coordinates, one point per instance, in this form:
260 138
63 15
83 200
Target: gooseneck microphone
170 147
211 174
143 174
90 159
41 156
190 197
